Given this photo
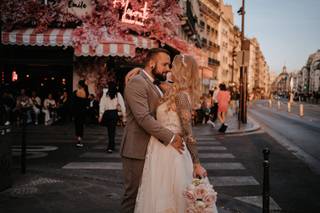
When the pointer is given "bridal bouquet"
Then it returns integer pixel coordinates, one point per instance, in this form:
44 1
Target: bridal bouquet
200 196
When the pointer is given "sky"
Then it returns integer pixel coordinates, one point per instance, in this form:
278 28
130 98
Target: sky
288 31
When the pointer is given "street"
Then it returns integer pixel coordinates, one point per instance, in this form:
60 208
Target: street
90 179
298 134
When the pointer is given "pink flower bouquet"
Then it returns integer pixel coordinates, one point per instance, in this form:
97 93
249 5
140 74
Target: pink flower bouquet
200 196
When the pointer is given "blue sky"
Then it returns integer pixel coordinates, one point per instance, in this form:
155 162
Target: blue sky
288 30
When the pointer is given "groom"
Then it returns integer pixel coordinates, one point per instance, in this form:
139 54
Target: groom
142 96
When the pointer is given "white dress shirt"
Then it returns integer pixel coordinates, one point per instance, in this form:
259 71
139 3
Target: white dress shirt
152 80
47 102
106 103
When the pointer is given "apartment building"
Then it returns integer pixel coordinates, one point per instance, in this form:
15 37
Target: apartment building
208 27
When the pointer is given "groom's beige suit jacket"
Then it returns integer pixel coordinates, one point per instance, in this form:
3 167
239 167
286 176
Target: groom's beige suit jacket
142 99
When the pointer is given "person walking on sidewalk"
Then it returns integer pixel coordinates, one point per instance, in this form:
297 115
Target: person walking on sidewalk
223 98
80 102
214 107
108 112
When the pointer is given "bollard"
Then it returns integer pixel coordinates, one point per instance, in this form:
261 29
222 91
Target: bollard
289 107
270 103
301 110
266 182
279 105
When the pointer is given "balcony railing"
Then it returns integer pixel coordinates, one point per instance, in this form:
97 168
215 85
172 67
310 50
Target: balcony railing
214 62
209 12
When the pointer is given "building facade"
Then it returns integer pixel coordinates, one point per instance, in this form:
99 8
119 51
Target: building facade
307 79
226 42
208 27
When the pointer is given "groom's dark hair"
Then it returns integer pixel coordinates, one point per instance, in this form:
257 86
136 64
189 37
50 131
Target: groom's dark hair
153 52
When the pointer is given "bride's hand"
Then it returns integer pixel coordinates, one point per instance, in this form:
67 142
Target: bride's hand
199 171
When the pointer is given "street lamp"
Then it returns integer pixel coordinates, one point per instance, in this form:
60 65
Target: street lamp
243 72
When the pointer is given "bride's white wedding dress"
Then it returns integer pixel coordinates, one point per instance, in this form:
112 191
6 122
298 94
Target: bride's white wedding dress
166 173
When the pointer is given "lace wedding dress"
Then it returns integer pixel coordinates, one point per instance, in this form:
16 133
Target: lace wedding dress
166 173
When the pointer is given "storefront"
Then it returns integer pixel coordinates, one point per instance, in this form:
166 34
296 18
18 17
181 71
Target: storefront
38 62
105 40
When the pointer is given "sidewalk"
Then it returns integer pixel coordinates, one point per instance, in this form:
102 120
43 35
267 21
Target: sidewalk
234 126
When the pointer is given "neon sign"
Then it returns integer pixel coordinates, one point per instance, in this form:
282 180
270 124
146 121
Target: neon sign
14 76
130 16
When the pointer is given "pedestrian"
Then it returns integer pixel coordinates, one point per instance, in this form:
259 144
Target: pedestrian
214 107
36 106
223 98
110 103
23 107
64 107
50 110
7 106
93 110
80 102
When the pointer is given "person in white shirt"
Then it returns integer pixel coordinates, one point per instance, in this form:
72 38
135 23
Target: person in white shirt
36 105
49 107
110 103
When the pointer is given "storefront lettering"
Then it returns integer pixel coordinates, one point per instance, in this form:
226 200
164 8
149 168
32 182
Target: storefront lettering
130 16
80 8
80 4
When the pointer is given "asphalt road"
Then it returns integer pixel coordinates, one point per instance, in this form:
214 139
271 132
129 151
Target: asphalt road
301 135
234 164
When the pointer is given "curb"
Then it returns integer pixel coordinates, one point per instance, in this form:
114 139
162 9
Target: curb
254 128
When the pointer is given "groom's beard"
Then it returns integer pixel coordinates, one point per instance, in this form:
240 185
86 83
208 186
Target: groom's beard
159 76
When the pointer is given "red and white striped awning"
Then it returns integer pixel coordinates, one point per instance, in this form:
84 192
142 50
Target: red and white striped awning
107 49
52 37
113 47
63 37
142 42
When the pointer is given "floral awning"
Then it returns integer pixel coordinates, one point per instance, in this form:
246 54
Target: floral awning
52 37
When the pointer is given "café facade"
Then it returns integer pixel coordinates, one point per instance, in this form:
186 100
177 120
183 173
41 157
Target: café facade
97 41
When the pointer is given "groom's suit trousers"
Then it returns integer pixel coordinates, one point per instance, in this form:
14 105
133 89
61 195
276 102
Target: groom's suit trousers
132 170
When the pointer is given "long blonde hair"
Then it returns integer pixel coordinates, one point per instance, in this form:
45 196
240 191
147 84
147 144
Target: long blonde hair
186 79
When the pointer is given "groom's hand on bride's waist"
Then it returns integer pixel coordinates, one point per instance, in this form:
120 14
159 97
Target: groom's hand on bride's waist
177 143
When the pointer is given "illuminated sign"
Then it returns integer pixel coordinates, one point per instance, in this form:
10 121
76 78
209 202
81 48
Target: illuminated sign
130 16
14 76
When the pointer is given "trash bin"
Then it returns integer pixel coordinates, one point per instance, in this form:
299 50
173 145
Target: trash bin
5 158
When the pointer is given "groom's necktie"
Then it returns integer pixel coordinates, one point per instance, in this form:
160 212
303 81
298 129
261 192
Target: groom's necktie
157 84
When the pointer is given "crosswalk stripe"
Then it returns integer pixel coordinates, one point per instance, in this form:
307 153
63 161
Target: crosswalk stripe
205 146
118 166
101 147
257 201
100 155
211 148
105 155
205 139
94 165
216 155
233 181
206 143
223 166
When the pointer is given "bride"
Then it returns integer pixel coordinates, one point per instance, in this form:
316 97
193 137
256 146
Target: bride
166 172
